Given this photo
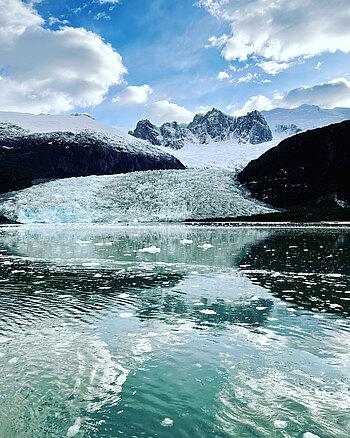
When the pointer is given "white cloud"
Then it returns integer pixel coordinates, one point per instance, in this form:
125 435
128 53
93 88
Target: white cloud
281 30
164 111
247 78
133 95
327 95
52 71
259 103
318 65
222 75
335 93
273 67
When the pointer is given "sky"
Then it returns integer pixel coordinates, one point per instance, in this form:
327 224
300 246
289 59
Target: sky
125 60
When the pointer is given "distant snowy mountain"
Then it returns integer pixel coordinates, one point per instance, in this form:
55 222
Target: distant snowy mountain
54 123
214 126
287 122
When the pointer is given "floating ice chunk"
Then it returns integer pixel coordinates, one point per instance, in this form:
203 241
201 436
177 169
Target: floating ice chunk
205 246
74 430
152 249
123 295
280 424
318 316
97 275
126 315
167 422
271 318
186 242
208 312
310 435
260 308
198 303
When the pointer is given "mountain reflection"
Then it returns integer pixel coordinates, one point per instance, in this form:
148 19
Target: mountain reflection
307 269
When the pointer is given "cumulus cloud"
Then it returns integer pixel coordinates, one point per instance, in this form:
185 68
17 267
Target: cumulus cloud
222 75
51 71
281 30
335 93
133 95
164 111
273 67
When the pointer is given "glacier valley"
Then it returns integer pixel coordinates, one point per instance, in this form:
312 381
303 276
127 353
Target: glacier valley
152 196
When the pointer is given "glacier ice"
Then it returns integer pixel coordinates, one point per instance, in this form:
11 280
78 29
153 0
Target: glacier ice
151 196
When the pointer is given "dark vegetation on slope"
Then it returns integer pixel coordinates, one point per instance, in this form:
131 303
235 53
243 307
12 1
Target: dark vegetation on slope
26 158
310 169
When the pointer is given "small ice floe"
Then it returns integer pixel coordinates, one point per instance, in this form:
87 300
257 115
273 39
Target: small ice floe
126 315
198 303
272 318
280 424
310 435
167 422
74 430
205 246
255 298
208 312
260 308
123 295
152 249
186 242
318 316
97 275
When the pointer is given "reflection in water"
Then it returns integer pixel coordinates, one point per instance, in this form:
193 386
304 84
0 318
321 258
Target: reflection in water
95 333
308 269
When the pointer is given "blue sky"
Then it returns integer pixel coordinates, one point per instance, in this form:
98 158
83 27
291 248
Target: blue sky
181 57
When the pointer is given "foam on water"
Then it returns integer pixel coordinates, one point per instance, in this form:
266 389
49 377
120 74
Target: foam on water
163 195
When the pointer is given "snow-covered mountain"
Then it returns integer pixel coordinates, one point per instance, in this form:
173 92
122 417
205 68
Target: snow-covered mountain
29 157
214 126
55 123
287 122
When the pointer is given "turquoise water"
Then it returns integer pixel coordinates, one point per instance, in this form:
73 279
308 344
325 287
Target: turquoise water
207 332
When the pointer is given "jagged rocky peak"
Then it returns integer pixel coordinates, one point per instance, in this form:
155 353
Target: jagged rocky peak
147 131
214 126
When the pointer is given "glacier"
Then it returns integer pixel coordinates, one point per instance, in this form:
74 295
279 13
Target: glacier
150 196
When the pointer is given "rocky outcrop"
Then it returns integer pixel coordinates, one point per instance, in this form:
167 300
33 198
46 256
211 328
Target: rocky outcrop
214 126
31 158
310 169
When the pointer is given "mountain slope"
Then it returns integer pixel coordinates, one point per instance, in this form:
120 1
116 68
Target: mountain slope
26 158
310 169
214 126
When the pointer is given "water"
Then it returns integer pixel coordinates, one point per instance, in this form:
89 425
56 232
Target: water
248 337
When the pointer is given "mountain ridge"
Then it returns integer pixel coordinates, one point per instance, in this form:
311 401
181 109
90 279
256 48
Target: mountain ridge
214 126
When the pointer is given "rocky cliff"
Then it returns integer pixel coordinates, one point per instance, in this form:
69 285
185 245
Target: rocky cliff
310 169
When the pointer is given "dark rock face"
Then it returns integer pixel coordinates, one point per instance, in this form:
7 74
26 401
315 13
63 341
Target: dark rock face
212 126
30 158
310 169
147 131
